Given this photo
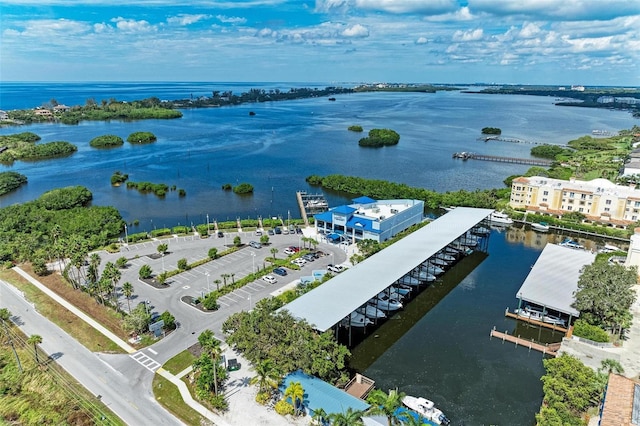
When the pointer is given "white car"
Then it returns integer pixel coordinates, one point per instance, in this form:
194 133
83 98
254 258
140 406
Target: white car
299 261
270 279
289 252
335 268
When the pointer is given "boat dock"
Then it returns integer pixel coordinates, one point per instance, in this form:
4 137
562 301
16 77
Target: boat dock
553 327
528 161
512 140
310 204
359 386
546 349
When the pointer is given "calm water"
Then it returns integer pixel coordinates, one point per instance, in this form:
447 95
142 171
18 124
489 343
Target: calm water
442 350
283 143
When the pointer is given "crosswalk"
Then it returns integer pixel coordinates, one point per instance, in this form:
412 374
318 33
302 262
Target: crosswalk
146 361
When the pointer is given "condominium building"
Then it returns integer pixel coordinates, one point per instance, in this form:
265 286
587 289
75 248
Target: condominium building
598 199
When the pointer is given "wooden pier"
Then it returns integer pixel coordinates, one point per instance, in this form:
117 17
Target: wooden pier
546 349
303 212
513 160
311 204
512 140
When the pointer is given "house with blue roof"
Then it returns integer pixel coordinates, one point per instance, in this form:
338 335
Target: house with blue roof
320 394
367 218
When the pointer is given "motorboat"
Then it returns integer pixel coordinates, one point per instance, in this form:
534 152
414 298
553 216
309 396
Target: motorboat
452 251
438 262
423 275
401 289
500 218
540 227
530 313
434 269
426 409
386 303
568 242
371 311
554 319
356 319
609 248
394 293
481 230
446 257
409 280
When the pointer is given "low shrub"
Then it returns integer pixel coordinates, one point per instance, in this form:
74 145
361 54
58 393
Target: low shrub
283 408
583 329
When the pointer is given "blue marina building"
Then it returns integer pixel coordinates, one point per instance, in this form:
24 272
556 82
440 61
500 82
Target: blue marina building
367 218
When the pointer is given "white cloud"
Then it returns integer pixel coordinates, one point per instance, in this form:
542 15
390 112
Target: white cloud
470 35
529 30
132 26
356 30
187 19
231 19
431 7
421 40
566 10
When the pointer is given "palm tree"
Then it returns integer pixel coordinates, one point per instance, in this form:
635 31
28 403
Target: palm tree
224 277
350 417
273 252
320 416
113 274
295 391
611 366
217 283
385 405
266 375
35 340
211 346
127 290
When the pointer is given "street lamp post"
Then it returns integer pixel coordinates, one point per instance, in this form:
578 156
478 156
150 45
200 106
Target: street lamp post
253 262
126 236
162 262
208 290
249 302
207 224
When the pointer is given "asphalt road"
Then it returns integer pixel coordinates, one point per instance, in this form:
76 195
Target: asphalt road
118 379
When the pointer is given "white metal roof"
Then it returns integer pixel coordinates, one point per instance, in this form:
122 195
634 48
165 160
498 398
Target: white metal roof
329 303
553 279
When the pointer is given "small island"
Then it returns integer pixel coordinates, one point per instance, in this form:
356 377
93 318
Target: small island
380 137
491 131
22 146
243 188
140 138
355 128
106 141
118 178
10 181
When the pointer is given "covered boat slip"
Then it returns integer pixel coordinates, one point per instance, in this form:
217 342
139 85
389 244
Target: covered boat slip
553 279
326 305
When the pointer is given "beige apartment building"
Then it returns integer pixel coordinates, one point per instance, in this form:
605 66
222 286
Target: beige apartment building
599 199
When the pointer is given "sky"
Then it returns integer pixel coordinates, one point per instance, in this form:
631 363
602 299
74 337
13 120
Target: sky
556 42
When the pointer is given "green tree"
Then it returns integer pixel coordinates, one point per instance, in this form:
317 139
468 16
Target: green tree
211 347
217 283
121 262
182 264
163 248
127 290
385 404
605 292
138 319
35 340
267 377
350 417
237 241
320 417
264 239
295 391
145 272
5 315
273 252
213 253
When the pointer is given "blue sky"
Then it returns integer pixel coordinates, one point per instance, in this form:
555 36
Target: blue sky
588 42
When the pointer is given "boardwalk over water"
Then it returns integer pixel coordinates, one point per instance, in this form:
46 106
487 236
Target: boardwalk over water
310 204
547 349
513 160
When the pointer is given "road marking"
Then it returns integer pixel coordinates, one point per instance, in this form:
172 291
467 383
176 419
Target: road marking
146 361
152 351
186 287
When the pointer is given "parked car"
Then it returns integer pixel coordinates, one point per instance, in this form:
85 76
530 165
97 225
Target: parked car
292 229
270 232
289 252
258 233
255 244
220 234
294 248
318 254
277 230
270 279
298 230
335 268
299 261
280 271
309 257
285 231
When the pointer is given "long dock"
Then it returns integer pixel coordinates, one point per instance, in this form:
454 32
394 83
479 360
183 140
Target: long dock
303 211
513 140
546 349
535 322
513 160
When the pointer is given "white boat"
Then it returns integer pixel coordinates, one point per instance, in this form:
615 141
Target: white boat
530 313
371 311
540 227
553 319
481 230
500 218
401 289
438 262
609 248
423 276
386 303
394 293
357 319
426 409
409 280
433 269
446 257
571 244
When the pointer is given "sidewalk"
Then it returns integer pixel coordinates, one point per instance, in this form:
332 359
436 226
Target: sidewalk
184 392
